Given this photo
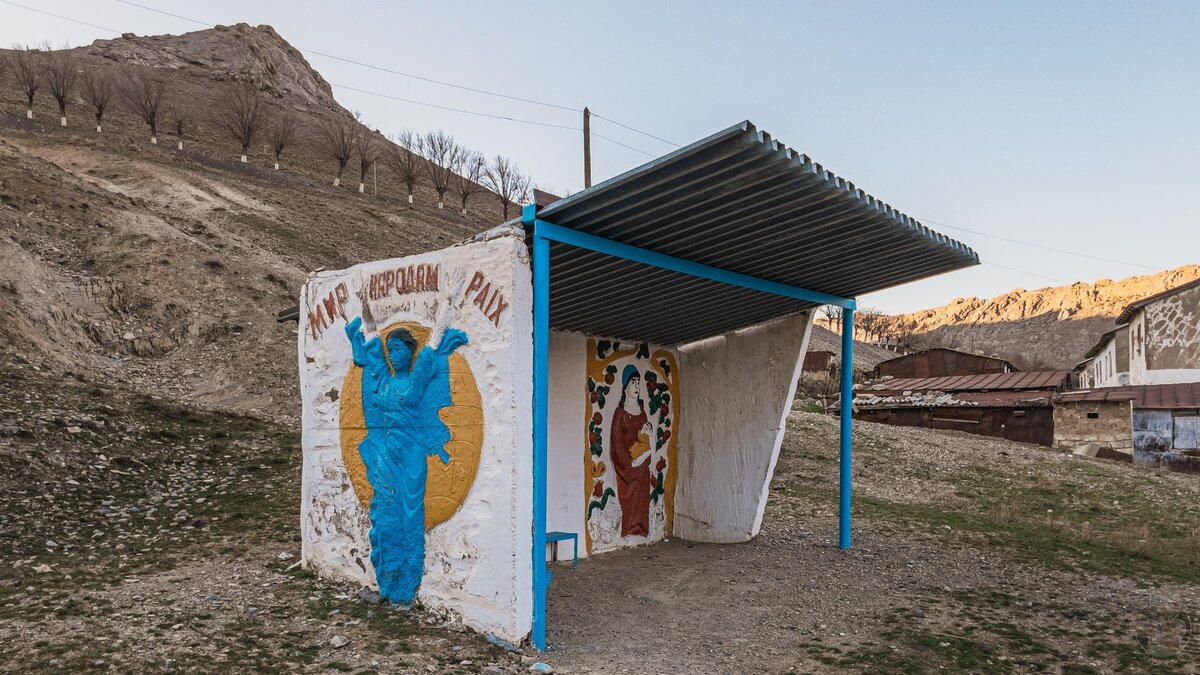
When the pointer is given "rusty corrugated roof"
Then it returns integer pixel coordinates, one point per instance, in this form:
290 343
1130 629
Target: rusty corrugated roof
1037 379
964 399
1145 396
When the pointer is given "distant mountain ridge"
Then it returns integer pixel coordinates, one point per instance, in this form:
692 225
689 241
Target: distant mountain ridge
1041 328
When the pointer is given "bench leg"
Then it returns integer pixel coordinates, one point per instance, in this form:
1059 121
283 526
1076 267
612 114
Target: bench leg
575 562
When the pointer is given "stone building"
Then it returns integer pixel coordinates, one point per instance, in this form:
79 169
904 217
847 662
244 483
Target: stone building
1164 336
1156 424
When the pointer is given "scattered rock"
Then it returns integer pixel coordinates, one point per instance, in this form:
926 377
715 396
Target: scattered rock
339 641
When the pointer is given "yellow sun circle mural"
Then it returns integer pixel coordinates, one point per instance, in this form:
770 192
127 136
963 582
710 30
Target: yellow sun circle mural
446 485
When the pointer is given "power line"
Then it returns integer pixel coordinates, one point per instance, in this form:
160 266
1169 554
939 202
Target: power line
626 126
458 110
1032 274
464 111
1033 245
59 16
463 87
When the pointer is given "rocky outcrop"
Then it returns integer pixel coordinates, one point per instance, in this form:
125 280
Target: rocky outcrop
242 53
1047 328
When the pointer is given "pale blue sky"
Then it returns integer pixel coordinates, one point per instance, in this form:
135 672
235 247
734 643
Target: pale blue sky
1072 125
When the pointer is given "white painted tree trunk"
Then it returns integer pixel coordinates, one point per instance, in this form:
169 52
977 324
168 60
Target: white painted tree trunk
64 120
410 199
243 159
337 180
276 166
362 187
180 144
29 113
99 129
154 140
441 205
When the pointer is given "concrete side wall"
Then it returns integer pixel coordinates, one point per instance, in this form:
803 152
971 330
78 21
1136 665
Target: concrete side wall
1112 428
565 490
737 392
469 430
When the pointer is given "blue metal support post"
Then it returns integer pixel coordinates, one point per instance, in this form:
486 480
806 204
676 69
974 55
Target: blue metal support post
846 417
541 387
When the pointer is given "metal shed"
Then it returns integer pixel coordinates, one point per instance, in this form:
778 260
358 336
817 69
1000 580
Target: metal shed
731 231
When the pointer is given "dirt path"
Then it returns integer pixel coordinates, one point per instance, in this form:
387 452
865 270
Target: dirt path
937 579
791 600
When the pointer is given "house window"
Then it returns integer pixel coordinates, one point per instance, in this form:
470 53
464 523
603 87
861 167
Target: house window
1093 416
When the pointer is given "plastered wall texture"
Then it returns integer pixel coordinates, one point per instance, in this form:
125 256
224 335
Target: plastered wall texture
1165 340
1113 428
736 394
477 496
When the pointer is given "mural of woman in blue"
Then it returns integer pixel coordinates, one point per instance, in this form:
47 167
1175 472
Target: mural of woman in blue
402 392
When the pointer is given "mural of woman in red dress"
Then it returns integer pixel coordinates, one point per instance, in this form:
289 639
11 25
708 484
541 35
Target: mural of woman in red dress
630 452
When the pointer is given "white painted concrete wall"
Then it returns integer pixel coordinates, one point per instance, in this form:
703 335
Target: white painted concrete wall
737 391
478 564
565 498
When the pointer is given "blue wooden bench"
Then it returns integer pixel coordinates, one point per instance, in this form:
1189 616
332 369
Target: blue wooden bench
554 537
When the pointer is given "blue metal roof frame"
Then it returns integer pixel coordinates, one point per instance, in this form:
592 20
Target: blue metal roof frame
738 201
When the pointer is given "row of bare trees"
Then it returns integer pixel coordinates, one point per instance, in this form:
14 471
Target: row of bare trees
871 325
243 113
435 157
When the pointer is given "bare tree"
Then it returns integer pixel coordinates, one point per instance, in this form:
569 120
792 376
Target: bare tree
243 113
99 92
504 178
366 143
468 172
145 96
337 141
281 134
25 62
59 71
181 124
404 159
3 68
441 153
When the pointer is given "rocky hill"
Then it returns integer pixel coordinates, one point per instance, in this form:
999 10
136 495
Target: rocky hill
161 270
1041 328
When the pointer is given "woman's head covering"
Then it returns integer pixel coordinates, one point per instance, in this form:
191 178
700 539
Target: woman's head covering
630 372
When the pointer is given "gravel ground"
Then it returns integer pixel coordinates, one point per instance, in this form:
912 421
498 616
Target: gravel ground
140 535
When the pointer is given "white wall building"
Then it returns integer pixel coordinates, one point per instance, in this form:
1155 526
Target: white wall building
1164 336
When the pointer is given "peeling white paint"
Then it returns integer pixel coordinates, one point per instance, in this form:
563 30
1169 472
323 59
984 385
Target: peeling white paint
478 562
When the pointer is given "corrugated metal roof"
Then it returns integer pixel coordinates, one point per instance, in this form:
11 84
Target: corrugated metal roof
1046 379
743 202
1147 396
964 399
1133 307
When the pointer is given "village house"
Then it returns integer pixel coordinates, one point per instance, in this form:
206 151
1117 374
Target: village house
1155 425
1108 360
1014 405
940 362
1164 336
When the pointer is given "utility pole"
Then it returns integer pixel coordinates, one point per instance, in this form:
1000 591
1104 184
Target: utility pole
587 148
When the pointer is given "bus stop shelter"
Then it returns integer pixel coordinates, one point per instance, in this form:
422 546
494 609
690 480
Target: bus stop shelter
611 370
730 232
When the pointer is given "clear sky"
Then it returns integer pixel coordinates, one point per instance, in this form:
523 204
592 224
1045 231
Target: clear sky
1069 125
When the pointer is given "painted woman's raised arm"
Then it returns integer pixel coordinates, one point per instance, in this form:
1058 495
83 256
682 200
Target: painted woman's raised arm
366 353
